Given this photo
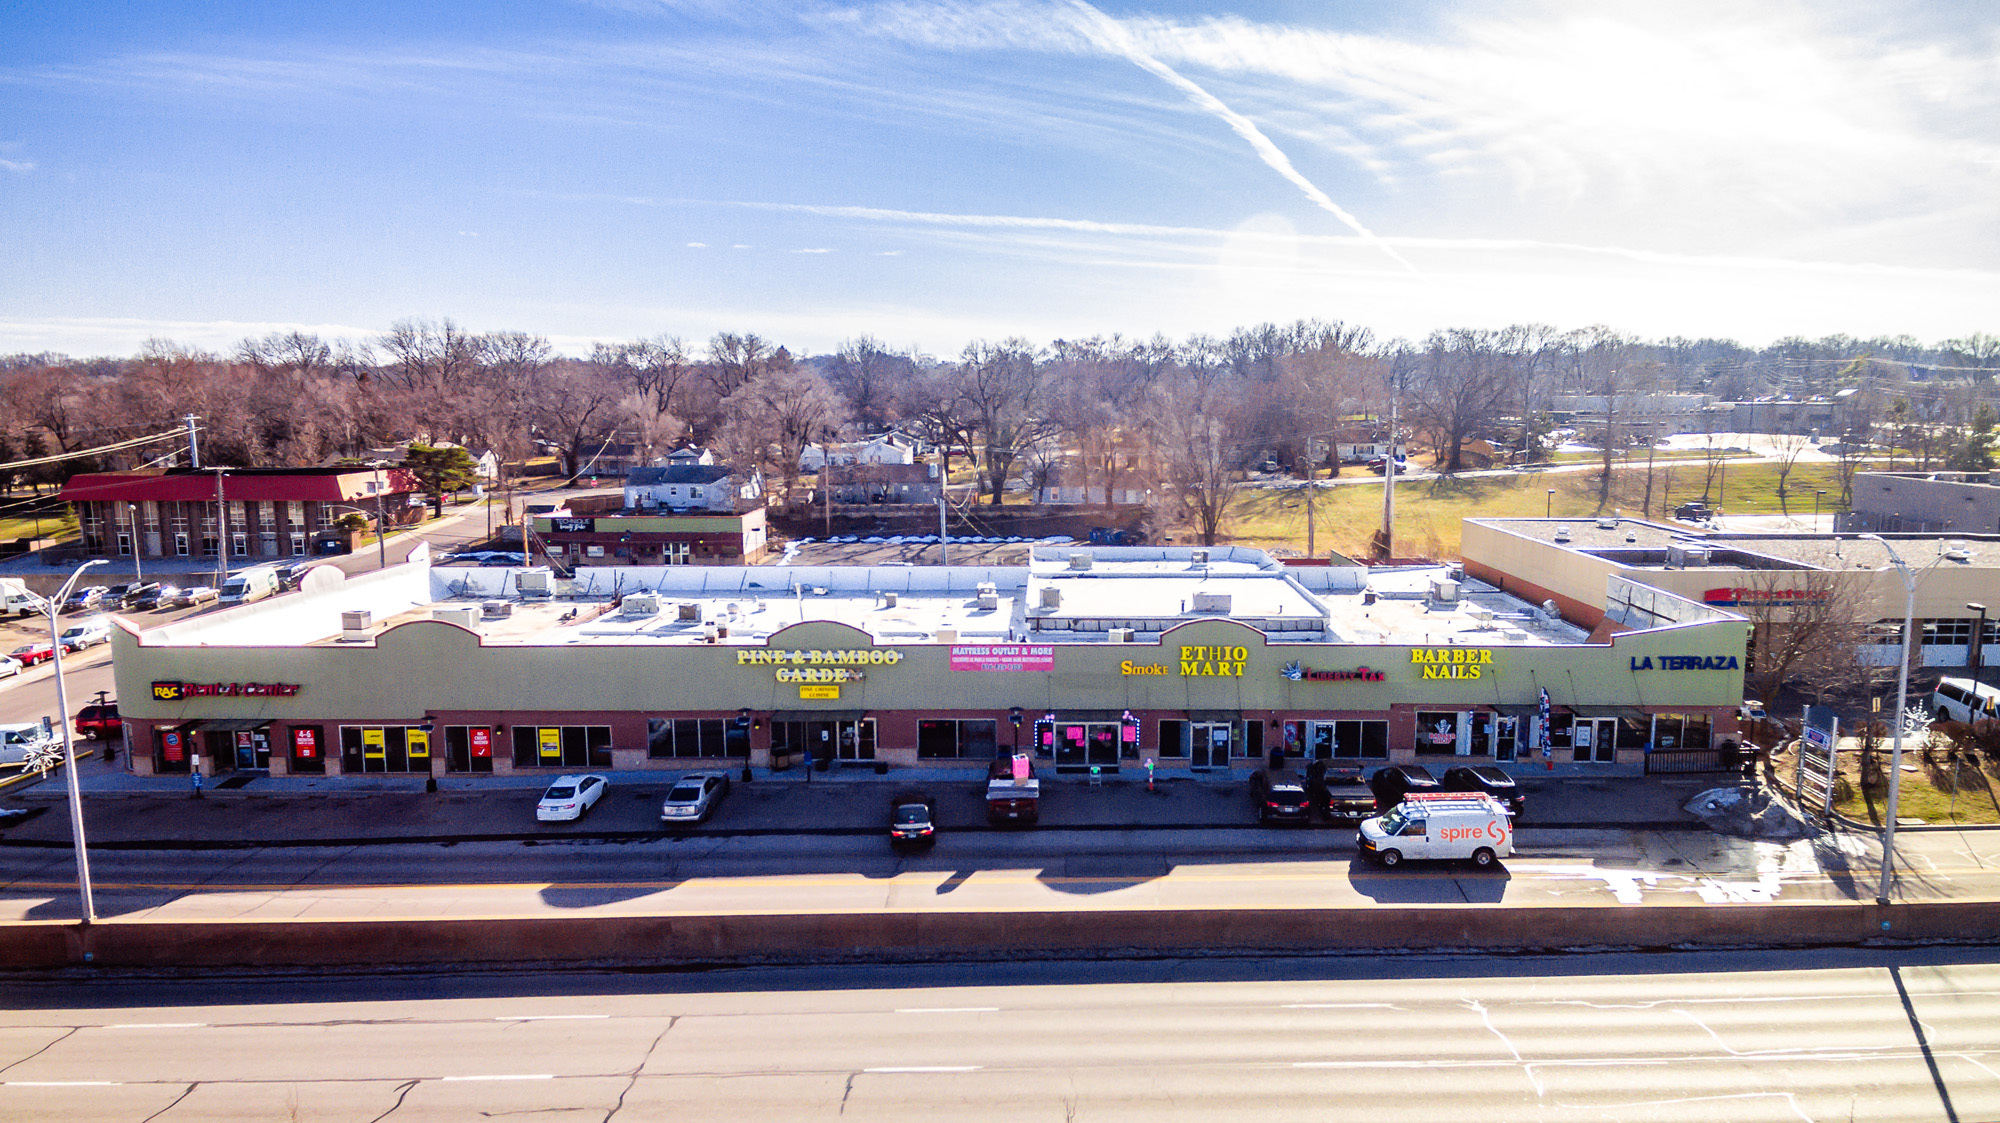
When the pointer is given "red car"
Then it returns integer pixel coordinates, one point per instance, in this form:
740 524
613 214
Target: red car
30 654
99 722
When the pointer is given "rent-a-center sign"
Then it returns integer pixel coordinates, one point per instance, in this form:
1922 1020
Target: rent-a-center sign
177 691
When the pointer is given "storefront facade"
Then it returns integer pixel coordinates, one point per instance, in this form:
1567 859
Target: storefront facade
433 697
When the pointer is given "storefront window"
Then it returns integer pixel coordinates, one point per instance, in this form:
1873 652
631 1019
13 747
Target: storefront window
384 748
945 739
562 746
1345 740
693 737
468 748
1437 733
308 744
1173 739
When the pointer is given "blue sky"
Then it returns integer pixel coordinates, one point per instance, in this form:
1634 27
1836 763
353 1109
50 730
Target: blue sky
932 172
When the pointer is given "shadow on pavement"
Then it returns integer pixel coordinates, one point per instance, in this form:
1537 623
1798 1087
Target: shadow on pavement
1445 883
592 896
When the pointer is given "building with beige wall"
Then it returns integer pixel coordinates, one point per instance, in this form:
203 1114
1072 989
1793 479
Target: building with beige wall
1570 562
1088 657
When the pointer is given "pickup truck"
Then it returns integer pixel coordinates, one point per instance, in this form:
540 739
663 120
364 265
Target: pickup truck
1344 796
1013 801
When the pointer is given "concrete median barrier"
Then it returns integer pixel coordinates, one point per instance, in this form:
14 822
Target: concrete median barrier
892 936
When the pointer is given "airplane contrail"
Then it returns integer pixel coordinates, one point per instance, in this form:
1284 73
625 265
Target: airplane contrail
1110 34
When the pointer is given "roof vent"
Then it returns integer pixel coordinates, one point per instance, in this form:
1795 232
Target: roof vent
498 609
688 610
1955 551
1051 597
889 600
1607 523
1562 533
1081 560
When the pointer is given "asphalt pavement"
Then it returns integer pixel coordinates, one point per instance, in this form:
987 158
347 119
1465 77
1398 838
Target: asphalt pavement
126 811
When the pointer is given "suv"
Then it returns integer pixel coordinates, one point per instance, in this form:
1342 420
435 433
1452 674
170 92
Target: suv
84 599
1486 778
125 596
1694 511
1391 784
99 722
90 633
1280 795
161 596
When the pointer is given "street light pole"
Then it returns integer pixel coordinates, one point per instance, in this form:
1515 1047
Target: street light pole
53 607
1816 498
138 547
1902 701
1549 503
381 549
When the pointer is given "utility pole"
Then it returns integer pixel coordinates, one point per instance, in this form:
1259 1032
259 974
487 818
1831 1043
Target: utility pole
221 531
1389 486
138 547
944 540
194 449
1312 492
826 489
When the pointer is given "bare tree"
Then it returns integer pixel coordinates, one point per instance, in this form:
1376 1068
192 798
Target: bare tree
1789 447
775 415
574 406
872 378
1204 440
1462 381
1809 628
1003 386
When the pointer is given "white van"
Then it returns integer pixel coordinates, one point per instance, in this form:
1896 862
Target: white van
1962 699
18 739
1440 825
251 584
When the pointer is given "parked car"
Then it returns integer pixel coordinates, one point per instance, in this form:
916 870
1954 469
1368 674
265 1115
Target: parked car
1380 465
160 597
1280 796
196 595
125 596
694 796
9 666
19 739
1495 782
29 654
1391 784
89 633
1693 511
912 820
99 722
292 575
1339 791
85 599
570 796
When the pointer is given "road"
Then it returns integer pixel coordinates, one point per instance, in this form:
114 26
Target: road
1708 1039
1076 871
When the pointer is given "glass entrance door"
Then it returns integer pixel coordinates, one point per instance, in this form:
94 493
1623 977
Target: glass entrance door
1082 745
1210 744
1595 740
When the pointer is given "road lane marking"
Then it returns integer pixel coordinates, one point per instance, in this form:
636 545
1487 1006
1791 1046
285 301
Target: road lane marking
550 1017
65 1083
522 1076
1338 1006
927 1068
949 1010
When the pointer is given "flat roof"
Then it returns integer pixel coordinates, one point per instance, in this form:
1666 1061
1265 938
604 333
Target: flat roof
1145 589
1633 541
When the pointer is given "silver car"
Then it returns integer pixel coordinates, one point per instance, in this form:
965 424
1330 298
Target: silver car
694 797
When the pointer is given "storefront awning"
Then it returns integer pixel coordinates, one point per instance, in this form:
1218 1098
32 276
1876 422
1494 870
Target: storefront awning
233 724
1066 714
1527 709
1609 711
1214 715
818 715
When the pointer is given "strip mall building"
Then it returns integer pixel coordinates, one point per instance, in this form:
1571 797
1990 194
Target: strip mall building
1199 660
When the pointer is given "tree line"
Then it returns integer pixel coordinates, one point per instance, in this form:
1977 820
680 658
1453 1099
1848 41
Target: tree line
1188 417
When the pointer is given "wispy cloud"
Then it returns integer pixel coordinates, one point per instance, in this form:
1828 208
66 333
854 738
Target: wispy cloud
18 167
815 249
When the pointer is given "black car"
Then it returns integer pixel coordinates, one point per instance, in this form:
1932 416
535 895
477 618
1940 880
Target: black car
84 599
912 820
1280 796
1486 778
1391 784
1693 511
128 596
159 596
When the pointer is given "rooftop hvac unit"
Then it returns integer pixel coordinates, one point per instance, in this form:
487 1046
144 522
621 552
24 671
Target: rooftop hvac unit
354 625
1552 609
1051 597
947 635
533 582
1081 560
688 611
1955 551
1212 602
1562 533
1479 612
1198 557
1122 635
464 615
1607 524
889 600
1444 590
498 609
641 604
989 596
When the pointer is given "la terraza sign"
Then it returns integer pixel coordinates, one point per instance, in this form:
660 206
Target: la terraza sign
1685 663
177 691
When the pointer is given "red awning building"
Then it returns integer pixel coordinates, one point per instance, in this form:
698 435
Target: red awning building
261 513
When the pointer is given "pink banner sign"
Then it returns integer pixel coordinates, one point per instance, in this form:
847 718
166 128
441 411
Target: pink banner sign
1003 657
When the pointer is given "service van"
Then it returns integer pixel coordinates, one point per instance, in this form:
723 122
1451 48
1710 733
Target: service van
1963 699
250 584
19 739
1440 825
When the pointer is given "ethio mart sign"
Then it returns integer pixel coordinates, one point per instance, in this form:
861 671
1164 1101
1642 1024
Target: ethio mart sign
176 691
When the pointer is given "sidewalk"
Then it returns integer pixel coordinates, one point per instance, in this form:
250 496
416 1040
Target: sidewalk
135 812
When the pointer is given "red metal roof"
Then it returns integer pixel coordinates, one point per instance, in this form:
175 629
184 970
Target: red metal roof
343 486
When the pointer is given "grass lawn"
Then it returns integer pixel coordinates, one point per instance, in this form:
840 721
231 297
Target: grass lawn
1428 512
63 526
1927 788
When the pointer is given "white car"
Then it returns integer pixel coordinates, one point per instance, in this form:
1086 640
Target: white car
195 595
570 796
90 633
694 796
9 666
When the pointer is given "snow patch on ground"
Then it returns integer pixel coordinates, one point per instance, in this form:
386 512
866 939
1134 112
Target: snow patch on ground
1755 814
